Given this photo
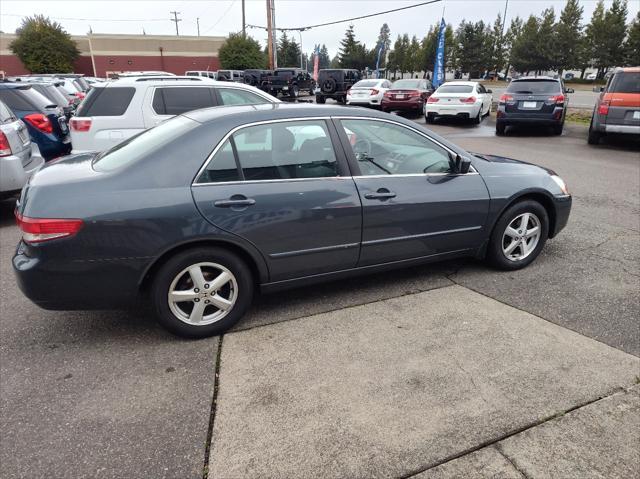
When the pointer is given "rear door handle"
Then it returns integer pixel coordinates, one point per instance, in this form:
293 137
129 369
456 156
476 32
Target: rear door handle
381 194
234 203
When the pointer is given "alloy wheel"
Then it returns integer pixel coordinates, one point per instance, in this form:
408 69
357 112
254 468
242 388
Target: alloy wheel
521 237
202 293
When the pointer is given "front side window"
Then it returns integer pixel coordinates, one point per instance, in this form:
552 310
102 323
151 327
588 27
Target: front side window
178 100
382 148
275 151
235 96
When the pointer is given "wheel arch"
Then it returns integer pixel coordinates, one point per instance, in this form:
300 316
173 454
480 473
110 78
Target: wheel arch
253 260
542 197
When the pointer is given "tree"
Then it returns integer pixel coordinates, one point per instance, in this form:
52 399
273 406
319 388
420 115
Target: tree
510 38
396 56
525 45
616 21
415 56
350 52
473 48
288 51
496 44
545 52
241 53
632 44
596 33
568 37
44 46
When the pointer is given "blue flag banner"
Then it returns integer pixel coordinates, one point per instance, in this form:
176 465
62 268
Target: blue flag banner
438 69
378 60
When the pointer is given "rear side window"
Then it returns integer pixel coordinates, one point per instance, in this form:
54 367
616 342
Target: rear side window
5 114
178 100
534 87
234 96
18 99
625 82
106 101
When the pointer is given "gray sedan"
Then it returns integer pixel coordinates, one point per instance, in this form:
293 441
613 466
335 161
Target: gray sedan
198 213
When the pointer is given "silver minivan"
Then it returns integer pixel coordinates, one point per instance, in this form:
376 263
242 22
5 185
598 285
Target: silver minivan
19 157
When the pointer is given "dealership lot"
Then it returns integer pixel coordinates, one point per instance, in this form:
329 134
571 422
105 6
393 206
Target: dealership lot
388 375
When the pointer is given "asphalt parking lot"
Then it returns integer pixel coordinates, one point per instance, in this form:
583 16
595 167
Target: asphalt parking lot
428 372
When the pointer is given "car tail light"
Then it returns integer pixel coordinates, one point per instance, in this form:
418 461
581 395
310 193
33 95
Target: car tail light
414 93
78 124
387 94
433 99
507 99
80 95
39 121
39 230
374 92
557 99
5 147
471 99
603 108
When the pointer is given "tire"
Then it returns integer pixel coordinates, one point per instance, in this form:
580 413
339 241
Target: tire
174 276
557 129
594 135
428 118
320 99
294 92
500 239
329 85
478 118
501 128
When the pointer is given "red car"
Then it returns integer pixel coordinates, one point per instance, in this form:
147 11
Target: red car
407 95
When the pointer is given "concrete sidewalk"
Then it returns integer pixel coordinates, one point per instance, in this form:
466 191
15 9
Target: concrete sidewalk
398 387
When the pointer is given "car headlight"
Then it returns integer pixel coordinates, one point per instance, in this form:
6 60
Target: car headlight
560 182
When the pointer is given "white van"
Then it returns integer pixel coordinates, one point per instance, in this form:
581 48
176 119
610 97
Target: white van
117 110
202 73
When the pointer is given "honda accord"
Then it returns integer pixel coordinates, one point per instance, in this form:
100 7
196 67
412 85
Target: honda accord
201 211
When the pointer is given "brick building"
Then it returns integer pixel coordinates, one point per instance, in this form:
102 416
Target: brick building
104 53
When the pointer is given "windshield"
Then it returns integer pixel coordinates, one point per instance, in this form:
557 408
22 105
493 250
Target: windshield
143 144
455 89
533 87
366 84
407 84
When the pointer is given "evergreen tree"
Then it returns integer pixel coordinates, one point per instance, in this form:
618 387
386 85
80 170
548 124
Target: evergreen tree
396 56
384 38
568 37
44 46
524 46
596 38
241 53
288 52
616 21
497 45
632 44
472 48
415 56
510 37
407 60
545 52
350 49
325 59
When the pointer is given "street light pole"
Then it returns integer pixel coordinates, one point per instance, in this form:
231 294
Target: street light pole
176 20
301 62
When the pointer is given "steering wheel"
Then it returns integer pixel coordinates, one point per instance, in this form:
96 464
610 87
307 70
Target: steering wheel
360 150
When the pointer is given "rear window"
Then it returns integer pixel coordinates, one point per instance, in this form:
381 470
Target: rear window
5 114
406 84
366 84
193 74
178 100
23 99
533 87
455 89
106 101
625 82
143 144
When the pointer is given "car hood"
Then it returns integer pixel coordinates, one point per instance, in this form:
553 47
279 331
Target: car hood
512 164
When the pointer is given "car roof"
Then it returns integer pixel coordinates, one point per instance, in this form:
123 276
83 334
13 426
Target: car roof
460 82
243 114
628 70
545 78
160 80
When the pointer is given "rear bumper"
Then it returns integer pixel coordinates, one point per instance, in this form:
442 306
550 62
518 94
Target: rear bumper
469 111
523 118
403 105
624 129
563 209
363 101
14 175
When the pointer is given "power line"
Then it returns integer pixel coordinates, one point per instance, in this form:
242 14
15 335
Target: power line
220 19
92 19
308 27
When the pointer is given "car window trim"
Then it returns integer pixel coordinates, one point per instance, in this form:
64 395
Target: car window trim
353 164
342 166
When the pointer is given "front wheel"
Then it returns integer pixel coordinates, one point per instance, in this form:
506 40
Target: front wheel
519 235
320 99
202 292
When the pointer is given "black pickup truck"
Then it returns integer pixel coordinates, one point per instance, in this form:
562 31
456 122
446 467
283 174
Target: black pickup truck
290 81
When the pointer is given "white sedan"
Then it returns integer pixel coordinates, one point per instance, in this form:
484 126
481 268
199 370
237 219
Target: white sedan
462 99
368 92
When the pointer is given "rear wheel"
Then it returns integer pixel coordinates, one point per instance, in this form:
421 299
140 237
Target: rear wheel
519 235
557 129
320 99
594 135
202 292
294 91
429 118
501 128
478 117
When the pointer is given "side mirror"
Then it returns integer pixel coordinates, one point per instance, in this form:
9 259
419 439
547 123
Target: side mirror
462 164
570 90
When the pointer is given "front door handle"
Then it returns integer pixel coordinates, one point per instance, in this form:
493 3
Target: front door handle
381 194
234 202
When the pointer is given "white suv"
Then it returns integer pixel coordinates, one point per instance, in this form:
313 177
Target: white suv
117 110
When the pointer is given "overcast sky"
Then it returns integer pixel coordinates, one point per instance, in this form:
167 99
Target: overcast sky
219 17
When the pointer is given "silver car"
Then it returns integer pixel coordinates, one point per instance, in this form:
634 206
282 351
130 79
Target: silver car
19 158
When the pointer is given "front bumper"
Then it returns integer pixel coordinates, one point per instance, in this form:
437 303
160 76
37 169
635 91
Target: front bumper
563 209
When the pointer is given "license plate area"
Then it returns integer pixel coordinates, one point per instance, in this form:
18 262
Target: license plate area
24 138
530 105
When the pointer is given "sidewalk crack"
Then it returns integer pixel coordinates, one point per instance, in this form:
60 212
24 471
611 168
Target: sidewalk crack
498 448
212 414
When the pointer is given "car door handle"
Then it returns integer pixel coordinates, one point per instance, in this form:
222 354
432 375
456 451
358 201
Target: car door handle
381 194
230 203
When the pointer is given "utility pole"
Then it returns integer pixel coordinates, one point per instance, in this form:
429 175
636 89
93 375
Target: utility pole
198 25
504 18
269 35
244 24
274 31
176 20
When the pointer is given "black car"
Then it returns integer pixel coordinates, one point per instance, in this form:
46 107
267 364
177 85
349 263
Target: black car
539 101
335 83
290 82
205 208
258 78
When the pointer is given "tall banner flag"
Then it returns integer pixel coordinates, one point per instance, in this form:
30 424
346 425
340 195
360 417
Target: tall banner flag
378 60
438 69
316 63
